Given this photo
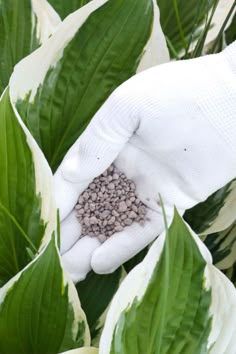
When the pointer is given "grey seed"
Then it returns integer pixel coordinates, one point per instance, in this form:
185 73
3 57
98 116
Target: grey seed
134 208
92 206
81 211
142 222
100 194
122 206
132 215
142 210
78 206
94 197
93 220
128 221
92 186
123 217
86 221
86 195
119 192
137 201
111 186
111 168
114 212
103 189
115 176
118 228
132 186
110 233
111 220
102 238
81 200
128 203
105 214
109 178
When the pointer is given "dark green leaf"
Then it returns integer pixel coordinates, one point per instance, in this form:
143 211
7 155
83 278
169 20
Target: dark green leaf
95 293
65 7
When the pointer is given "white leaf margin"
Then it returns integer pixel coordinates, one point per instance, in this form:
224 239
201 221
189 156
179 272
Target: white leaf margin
26 78
47 19
223 330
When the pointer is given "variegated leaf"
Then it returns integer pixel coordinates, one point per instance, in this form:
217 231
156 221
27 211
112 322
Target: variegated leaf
40 311
27 206
59 88
24 25
175 301
222 246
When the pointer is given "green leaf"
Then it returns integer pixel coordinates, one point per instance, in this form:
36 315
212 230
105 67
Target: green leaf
23 27
173 302
94 51
181 20
222 246
39 312
230 34
64 8
96 293
27 207
214 214
169 311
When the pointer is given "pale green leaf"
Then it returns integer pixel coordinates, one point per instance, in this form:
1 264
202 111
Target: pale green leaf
24 25
40 311
88 350
173 302
27 206
59 88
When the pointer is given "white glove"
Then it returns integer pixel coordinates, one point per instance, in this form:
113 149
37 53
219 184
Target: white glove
172 130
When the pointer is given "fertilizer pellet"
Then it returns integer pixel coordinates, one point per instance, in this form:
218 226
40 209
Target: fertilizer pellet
109 205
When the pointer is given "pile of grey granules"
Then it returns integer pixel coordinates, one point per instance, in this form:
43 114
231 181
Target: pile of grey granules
108 205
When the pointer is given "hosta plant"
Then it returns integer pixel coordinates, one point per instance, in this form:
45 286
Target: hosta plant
171 298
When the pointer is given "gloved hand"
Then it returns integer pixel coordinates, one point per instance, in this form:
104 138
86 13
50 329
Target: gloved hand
172 130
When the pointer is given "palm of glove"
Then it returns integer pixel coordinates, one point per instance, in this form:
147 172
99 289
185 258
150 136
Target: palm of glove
167 129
